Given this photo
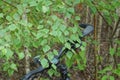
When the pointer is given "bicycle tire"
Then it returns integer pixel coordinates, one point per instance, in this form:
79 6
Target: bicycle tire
37 73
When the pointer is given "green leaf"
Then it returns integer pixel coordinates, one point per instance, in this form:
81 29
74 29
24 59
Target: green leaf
13 66
39 35
56 26
59 33
50 56
54 17
68 15
68 2
45 9
80 66
105 77
108 68
24 23
73 29
36 43
10 72
2 33
76 2
16 16
55 52
12 27
5 66
46 48
77 17
71 10
93 9
20 9
62 39
84 44
82 48
77 45
74 37
50 72
54 66
67 45
53 33
63 28
106 12
21 55
43 42
9 18
44 31
81 1
44 62
1 15
117 71
4 51
49 22
33 3
112 78
9 54
112 51
66 33
17 43
69 54
117 41
69 62
48 2
40 27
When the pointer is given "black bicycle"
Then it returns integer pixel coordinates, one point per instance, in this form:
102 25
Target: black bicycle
56 60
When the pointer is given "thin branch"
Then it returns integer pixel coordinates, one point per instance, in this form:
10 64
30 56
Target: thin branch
95 49
116 27
102 16
8 3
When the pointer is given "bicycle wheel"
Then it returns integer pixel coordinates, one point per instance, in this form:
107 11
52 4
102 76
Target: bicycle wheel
40 76
37 74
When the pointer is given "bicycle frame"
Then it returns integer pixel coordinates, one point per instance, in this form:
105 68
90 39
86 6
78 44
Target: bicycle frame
62 68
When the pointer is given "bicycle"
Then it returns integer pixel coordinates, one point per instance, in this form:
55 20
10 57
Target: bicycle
56 60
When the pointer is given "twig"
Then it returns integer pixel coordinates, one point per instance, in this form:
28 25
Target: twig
95 53
8 3
116 27
102 16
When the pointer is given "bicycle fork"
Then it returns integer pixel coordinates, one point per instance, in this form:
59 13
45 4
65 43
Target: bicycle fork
63 71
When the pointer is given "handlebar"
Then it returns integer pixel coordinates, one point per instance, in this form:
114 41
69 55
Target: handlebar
87 30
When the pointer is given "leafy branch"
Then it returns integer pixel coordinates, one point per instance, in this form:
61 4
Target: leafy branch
101 15
8 3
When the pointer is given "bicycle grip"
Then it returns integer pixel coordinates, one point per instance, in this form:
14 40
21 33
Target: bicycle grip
88 29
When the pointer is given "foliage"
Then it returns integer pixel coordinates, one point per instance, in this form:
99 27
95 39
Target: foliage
35 24
108 11
40 25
